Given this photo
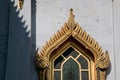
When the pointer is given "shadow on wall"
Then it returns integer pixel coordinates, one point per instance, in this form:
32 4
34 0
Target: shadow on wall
4 25
21 48
34 75
109 69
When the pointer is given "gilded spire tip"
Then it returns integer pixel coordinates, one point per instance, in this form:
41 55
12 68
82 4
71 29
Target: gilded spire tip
71 10
71 15
71 21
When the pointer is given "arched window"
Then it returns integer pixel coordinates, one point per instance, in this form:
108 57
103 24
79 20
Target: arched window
71 65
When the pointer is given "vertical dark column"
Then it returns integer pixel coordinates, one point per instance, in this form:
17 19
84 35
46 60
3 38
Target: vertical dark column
4 26
34 75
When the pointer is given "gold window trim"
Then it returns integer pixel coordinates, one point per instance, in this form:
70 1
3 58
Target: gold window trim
79 52
72 30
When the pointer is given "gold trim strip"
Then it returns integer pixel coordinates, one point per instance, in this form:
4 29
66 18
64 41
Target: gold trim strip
57 69
63 57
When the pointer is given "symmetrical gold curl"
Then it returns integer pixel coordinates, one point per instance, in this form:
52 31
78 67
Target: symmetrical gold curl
71 28
103 61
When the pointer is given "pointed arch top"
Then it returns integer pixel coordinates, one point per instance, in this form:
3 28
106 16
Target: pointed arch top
71 28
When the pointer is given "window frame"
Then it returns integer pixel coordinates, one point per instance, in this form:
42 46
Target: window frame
79 51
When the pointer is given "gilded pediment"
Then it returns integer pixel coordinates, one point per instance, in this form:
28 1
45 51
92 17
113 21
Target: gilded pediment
72 29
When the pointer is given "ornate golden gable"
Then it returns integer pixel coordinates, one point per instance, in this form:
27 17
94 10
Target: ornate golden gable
72 29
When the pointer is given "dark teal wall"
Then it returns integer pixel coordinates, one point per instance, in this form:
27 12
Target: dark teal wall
4 27
21 49
18 57
16 47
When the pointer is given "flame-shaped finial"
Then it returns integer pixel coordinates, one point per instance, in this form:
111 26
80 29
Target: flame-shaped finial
71 22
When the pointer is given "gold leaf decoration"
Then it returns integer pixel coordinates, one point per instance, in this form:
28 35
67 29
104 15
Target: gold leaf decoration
71 28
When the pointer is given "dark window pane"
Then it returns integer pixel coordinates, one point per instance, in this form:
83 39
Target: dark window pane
83 62
85 75
69 52
70 70
74 54
58 62
57 75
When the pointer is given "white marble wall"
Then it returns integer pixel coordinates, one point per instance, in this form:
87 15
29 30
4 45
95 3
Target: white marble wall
116 29
94 16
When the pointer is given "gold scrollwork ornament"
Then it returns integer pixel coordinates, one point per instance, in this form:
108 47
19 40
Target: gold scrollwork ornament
43 66
102 65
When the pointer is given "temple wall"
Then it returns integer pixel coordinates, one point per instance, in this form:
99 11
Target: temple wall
23 31
96 17
116 38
